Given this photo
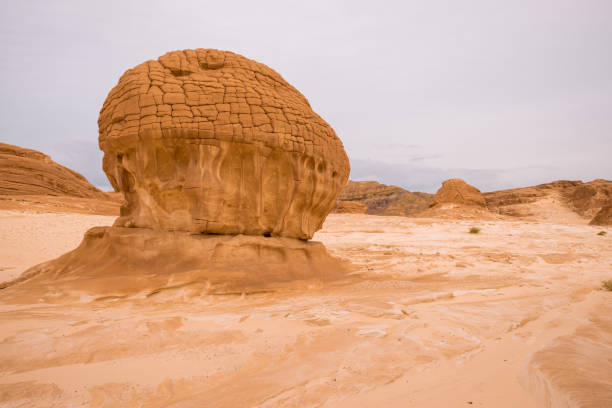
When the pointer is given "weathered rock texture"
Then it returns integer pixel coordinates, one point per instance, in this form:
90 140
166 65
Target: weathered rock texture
29 172
208 141
350 207
381 199
581 199
118 262
604 216
587 199
458 192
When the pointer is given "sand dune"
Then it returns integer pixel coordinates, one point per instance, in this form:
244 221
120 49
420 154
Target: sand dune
434 316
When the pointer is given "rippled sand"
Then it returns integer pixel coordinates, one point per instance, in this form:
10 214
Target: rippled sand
436 317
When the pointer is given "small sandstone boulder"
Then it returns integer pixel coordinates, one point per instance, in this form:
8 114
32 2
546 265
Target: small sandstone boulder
208 141
458 192
603 217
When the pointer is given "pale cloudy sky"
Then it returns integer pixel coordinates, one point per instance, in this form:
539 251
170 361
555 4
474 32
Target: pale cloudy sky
501 93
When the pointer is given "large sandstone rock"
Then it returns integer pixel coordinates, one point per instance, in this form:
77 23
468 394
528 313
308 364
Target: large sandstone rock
208 141
381 199
458 192
29 172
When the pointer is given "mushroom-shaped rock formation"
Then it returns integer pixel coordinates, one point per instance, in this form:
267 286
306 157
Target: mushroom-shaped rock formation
208 141
226 171
458 192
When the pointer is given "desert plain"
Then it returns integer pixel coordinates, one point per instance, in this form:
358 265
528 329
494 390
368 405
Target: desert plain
235 265
427 315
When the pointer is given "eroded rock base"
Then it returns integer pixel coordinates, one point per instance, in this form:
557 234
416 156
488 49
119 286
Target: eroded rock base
125 262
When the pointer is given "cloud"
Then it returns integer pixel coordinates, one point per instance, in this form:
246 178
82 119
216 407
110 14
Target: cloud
422 158
398 146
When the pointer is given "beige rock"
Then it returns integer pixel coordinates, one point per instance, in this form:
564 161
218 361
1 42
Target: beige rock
232 149
458 192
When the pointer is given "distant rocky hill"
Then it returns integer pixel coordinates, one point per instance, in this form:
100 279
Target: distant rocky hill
587 199
559 199
350 207
29 172
381 199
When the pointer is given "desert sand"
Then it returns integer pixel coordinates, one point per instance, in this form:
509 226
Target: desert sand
429 316
207 291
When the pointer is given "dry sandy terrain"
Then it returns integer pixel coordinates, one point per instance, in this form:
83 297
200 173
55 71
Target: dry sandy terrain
511 317
28 238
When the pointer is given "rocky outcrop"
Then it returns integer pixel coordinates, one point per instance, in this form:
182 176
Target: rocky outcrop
458 192
381 199
208 141
587 199
573 198
350 207
29 172
603 217
365 190
560 201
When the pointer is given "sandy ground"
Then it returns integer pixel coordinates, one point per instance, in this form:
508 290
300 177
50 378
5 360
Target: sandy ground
511 317
28 238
